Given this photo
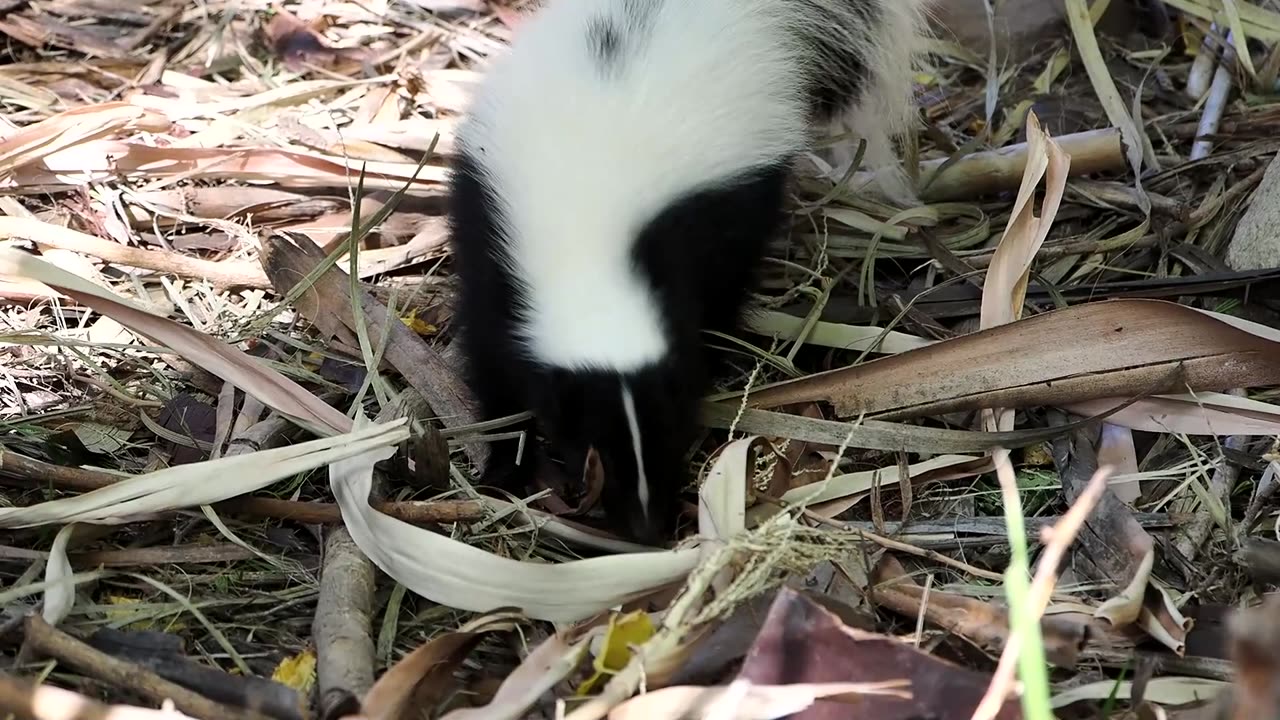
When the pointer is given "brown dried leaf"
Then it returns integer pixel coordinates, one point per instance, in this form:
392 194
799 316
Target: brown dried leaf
1120 348
1116 547
299 45
422 678
802 642
982 623
44 30
546 665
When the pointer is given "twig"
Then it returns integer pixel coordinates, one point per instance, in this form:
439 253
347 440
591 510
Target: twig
1215 103
222 274
889 544
1202 67
1057 540
327 303
343 623
32 472
163 654
1221 485
49 641
144 556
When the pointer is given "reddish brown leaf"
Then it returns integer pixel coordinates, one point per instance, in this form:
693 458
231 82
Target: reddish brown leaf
801 642
298 45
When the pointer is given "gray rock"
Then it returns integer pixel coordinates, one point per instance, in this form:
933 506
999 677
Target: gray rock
1256 244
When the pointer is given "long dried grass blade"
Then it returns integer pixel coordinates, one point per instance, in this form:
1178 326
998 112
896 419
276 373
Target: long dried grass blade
742 700
467 578
205 483
1208 413
1137 146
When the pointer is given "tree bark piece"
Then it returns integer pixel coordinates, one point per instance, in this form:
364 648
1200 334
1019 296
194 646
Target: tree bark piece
344 615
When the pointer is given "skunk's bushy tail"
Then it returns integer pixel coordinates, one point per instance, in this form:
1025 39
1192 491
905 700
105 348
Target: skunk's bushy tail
863 56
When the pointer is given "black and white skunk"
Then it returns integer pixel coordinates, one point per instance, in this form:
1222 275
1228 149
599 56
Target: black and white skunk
618 175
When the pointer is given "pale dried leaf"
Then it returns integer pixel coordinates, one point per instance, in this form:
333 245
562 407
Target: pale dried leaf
741 700
833 335
60 594
547 665
69 129
204 483
1206 413
723 500
467 578
1169 690
1005 286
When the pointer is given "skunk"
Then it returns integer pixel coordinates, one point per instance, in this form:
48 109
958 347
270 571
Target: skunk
617 176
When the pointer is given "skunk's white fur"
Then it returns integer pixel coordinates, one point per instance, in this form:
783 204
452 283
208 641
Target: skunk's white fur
701 90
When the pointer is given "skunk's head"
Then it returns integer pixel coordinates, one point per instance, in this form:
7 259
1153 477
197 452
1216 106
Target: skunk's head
629 431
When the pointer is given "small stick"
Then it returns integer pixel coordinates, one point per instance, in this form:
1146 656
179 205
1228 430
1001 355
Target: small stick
222 274
1202 68
49 641
1216 102
890 544
36 472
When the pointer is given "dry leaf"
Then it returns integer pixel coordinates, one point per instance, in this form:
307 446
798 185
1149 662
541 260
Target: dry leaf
204 483
298 45
1169 690
548 664
803 642
66 130
1120 348
982 623
460 576
422 678
1114 546
103 160
245 372
839 487
1205 413
833 335
1005 286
